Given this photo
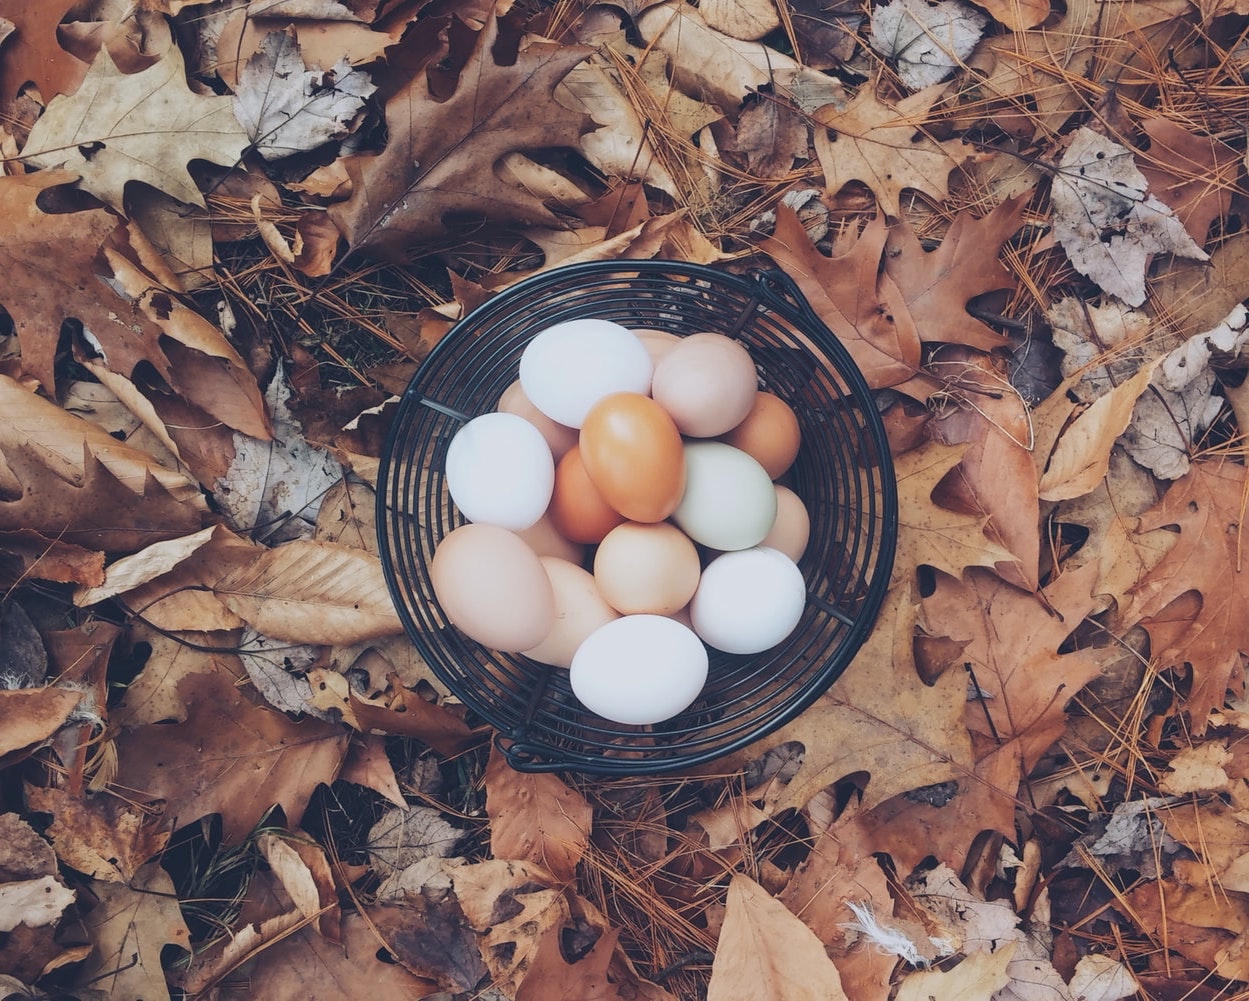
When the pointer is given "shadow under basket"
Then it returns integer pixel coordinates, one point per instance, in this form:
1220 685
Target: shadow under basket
843 474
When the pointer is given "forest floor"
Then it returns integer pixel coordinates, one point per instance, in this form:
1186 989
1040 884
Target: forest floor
235 229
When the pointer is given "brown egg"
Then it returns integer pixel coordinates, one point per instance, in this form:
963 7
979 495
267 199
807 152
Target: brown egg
493 588
707 383
579 610
647 568
633 454
792 528
577 509
559 436
769 432
657 342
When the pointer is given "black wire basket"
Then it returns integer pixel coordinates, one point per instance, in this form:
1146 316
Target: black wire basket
843 473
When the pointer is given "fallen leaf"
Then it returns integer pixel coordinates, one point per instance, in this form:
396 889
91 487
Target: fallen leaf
130 925
312 592
33 902
748 20
304 872
25 554
231 756
1106 222
33 53
1192 174
439 158
286 108
536 818
100 835
144 126
977 978
1196 297
1208 507
876 143
927 41
764 949
29 716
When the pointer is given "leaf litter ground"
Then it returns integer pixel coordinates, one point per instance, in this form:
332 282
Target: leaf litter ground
234 232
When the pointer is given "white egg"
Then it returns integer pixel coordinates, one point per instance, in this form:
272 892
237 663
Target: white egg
729 500
748 601
639 669
500 471
569 367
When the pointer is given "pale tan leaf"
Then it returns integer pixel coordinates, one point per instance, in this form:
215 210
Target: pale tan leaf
976 978
147 564
312 592
32 715
766 952
749 20
1081 458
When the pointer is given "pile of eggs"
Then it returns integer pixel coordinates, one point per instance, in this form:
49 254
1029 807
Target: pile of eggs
623 515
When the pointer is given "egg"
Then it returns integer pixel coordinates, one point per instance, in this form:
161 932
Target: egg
500 471
544 539
792 528
577 509
647 568
707 383
639 669
567 368
633 454
560 437
729 500
657 342
579 610
769 432
748 601
493 587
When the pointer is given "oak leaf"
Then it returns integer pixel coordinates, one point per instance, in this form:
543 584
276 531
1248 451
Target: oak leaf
938 284
231 755
765 951
594 977
144 126
1015 642
99 835
1105 220
536 818
1194 175
32 53
884 146
1207 560
440 156
865 309
130 925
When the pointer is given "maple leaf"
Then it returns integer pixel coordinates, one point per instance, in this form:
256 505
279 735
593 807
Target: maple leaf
884 146
864 308
1106 222
1208 507
440 156
146 126
938 284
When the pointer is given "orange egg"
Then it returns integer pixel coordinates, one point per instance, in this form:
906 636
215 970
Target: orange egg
633 453
769 433
577 509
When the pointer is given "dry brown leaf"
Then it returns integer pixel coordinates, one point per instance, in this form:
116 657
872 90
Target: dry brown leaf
765 951
368 765
25 554
29 716
749 20
876 143
439 157
301 866
145 126
100 835
312 592
129 926
1192 298
33 53
1208 505
231 755
536 818
1194 175
977 978
865 309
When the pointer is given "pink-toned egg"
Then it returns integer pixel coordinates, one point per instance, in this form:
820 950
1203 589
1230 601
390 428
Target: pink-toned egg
493 588
545 540
792 528
579 610
647 568
707 383
559 436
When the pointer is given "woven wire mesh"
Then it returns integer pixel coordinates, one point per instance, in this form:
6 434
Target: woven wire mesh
843 474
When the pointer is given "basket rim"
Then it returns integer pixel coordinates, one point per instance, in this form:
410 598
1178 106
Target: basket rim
766 288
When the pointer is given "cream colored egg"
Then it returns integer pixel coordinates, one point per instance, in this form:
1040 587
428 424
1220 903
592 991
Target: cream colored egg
579 610
646 568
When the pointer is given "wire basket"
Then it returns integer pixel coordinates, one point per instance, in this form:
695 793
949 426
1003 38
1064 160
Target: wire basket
843 473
